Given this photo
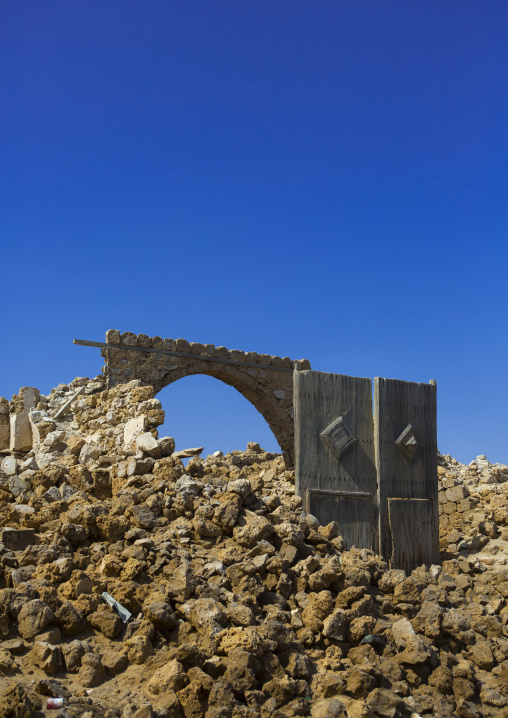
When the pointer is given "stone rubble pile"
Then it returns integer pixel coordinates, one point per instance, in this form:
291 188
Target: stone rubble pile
473 508
242 605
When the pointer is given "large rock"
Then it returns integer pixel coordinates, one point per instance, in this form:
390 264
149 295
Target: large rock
107 622
205 615
139 648
132 429
147 443
18 702
69 619
46 656
171 677
251 529
9 465
20 432
33 618
161 615
91 672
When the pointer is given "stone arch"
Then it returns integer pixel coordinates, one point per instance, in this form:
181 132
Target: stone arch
264 380
277 415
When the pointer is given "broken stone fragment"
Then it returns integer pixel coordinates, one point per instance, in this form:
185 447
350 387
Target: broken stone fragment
75 533
166 445
329 708
42 425
171 677
403 632
70 620
147 443
46 656
143 516
9 465
89 453
115 661
389 580
132 429
138 648
75 444
162 616
251 529
239 614
335 626
481 655
17 539
91 671
72 654
33 618
226 514
242 487
188 453
205 615
107 622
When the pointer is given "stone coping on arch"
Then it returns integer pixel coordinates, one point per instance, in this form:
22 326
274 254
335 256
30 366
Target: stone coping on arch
182 346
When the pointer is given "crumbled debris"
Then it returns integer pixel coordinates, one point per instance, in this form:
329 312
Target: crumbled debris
241 605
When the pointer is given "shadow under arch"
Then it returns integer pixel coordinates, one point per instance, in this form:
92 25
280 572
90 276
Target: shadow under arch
277 411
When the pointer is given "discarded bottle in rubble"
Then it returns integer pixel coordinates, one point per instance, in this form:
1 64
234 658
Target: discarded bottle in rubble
54 702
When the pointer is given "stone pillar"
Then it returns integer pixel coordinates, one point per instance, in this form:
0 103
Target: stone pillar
4 424
21 430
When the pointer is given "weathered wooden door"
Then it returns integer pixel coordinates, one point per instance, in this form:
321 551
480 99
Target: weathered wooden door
406 462
334 453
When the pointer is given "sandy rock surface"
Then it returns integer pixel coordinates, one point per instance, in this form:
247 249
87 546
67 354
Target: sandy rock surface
238 604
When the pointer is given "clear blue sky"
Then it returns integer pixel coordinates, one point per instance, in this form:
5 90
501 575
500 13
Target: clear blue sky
316 179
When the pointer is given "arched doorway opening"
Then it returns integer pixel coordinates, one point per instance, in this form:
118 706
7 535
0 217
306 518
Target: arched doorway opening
201 410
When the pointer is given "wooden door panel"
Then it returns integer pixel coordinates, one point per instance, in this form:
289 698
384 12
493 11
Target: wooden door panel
356 516
411 526
334 449
406 461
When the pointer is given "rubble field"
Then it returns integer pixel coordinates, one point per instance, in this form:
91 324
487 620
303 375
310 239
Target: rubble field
231 602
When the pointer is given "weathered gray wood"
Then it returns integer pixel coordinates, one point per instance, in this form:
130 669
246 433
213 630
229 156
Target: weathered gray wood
409 473
64 408
336 488
411 525
201 357
343 494
356 517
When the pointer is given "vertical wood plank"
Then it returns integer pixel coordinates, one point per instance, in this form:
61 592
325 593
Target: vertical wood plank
396 405
319 400
411 524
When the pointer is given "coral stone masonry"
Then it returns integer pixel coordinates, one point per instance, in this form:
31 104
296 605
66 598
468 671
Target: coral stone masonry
133 586
264 380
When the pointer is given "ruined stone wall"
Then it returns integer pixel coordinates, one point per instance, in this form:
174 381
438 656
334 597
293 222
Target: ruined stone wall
473 507
265 380
73 427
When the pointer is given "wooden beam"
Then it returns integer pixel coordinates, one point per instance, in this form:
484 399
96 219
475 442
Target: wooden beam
86 343
61 411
